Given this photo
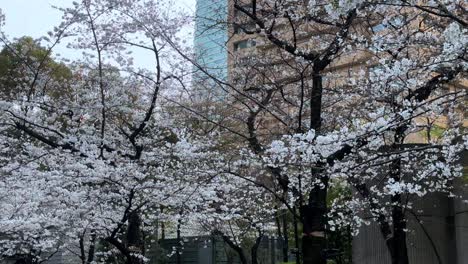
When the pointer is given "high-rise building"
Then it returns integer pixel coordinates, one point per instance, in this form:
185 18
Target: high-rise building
211 36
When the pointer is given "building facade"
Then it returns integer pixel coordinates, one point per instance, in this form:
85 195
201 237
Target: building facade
211 36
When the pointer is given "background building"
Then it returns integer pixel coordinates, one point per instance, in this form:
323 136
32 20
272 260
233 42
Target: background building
210 40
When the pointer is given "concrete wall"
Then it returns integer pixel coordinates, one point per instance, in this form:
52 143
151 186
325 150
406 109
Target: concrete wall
369 246
461 215
444 230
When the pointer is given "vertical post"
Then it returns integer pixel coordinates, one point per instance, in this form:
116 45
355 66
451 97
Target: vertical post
213 249
157 245
178 259
296 238
285 237
163 227
273 250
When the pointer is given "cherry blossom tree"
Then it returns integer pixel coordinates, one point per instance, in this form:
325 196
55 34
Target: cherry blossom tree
90 171
239 212
335 97
94 167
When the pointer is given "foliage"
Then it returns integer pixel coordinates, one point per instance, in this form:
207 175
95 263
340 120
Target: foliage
92 171
331 109
18 59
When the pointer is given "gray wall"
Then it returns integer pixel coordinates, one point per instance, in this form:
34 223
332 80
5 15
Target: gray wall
369 246
444 219
461 215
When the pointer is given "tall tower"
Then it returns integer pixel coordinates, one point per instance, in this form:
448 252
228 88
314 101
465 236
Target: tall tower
211 35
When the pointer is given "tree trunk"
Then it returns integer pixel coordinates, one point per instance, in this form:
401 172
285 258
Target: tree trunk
316 102
130 257
236 248
178 251
254 249
132 249
285 236
92 247
397 244
313 214
313 238
296 238
134 237
134 260
163 226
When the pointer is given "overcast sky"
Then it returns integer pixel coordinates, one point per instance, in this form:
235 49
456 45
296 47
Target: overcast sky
31 17
36 17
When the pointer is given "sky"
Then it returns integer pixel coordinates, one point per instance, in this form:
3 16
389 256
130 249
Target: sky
36 17
31 17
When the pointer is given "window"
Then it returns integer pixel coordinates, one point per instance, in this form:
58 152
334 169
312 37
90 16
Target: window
378 28
395 22
239 29
243 44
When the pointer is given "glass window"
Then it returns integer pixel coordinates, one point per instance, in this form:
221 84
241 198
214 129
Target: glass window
243 44
239 29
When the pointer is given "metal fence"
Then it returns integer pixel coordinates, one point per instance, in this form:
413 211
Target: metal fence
213 250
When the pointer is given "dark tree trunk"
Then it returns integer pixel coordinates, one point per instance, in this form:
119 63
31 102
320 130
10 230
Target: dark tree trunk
134 238
133 245
397 244
134 260
82 250
236 248
29 259
130 258
282 231
285 237
313 213
278 223
313 237
296 238
316 102
178 251
92 248
163 226
254 249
